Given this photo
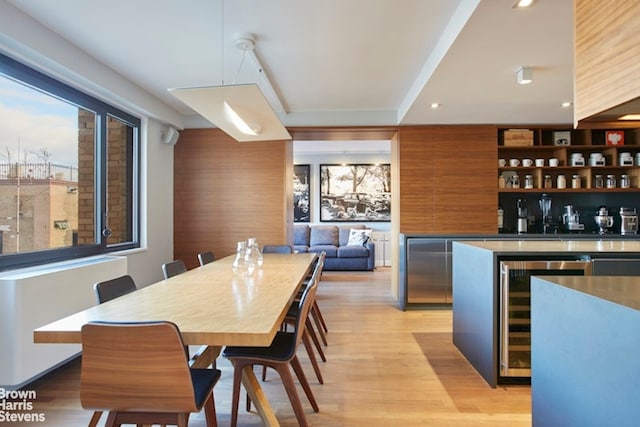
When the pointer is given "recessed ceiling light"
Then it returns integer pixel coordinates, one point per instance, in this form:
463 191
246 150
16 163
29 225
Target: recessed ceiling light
522 3
434 105
630 117
566 104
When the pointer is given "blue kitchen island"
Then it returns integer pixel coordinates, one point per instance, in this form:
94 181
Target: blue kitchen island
585 351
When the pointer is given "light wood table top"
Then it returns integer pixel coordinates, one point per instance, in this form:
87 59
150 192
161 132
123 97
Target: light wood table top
211 305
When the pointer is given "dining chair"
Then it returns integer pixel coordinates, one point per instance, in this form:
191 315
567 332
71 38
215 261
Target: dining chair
309 334
106 291
113 288
206 257
277 249
139 373
281 356
173 268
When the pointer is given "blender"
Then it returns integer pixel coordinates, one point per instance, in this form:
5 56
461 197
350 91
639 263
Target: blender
523 216
545 208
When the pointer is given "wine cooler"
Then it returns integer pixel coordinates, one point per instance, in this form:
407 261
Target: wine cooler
515 308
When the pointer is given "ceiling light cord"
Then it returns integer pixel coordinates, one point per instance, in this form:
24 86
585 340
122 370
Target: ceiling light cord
244 55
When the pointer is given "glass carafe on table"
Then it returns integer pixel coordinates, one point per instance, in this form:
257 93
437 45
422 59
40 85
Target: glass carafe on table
240 264
253 254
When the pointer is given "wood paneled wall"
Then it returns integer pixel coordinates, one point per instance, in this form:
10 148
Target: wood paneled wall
607 48
226 191
448 179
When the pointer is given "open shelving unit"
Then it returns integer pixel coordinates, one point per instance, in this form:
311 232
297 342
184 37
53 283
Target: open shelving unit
583 141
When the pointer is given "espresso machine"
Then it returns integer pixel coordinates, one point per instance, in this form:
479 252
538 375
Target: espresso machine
628 221
571 219
603 220
523 216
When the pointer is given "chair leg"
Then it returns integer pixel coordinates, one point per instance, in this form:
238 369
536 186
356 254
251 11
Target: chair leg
295 363
210 411
318 314
320 329
312 333
290 387
95 418
237 377
111 419
312 357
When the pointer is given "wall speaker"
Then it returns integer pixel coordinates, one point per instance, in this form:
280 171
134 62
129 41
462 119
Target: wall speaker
170 136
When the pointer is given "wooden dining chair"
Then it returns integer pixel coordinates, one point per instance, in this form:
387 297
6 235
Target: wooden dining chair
173 268
277 249
281 356
206 257
309 335
139 373
113 288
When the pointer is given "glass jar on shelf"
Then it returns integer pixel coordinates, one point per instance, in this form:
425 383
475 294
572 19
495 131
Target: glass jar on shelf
598 182
625 182
576 181
515 181
528 181
547 181
562 182
611 181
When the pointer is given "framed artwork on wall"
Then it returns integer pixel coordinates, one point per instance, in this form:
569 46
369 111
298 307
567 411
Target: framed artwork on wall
301 202
355 192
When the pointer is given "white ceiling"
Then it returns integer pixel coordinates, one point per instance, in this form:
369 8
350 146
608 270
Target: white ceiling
339 62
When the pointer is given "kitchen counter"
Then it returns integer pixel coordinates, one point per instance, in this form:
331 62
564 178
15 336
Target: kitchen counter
585 369
534 247
476 287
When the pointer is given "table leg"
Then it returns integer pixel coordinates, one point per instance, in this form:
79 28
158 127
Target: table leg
258 398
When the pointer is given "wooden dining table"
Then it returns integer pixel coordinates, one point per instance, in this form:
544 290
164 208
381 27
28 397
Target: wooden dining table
211 305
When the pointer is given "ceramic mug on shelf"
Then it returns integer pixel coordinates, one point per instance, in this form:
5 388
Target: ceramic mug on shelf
540 163
527 163
514 163
502 163
553 162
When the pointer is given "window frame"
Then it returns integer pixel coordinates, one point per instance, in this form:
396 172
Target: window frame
40 81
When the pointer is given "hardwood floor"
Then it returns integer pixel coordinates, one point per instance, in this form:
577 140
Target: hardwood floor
385 367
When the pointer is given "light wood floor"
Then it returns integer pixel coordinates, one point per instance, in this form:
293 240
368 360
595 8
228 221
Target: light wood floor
385 367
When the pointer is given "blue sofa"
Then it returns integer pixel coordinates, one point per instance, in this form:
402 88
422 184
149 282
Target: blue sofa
333 240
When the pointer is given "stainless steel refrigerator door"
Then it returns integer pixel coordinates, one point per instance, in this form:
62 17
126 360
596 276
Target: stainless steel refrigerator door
428 271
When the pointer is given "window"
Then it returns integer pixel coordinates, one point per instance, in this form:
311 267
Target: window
69 171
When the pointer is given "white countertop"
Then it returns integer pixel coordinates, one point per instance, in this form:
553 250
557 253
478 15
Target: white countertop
579 246
622 290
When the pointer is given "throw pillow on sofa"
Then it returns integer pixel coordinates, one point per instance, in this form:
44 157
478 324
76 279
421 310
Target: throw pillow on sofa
359 237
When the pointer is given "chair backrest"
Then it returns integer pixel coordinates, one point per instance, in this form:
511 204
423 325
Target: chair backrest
277 249
173 268
206 257
135 367
305 303
110 289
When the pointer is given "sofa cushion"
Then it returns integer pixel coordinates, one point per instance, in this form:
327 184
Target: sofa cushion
345 230
359 237
352 251
301 234
330 250
324 235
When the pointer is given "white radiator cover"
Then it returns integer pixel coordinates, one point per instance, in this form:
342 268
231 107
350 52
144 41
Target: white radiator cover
32 297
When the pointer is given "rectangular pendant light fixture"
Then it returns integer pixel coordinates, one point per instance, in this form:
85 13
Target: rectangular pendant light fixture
241 111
